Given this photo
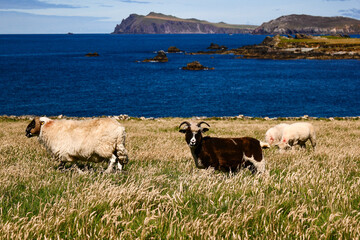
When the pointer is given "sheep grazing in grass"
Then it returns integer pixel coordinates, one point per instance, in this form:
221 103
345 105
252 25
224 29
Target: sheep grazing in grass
226 154
274 134
93 140
297 134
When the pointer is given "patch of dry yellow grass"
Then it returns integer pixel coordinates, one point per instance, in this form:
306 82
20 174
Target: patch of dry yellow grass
162 195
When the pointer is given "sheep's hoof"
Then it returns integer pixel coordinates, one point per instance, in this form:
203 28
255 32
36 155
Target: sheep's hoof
108 171
79 171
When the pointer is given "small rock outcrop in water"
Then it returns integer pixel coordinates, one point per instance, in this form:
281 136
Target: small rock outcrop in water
196 66
160 57
214 46
173 49
271 41
94 54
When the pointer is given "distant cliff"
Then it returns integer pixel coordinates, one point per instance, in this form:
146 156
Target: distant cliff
157 23
292 24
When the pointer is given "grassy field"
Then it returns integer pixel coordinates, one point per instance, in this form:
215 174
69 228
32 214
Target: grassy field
329 40
161 195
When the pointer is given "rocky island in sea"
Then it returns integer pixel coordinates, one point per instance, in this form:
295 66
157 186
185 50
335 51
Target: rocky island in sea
157 23
301 46
196 66
160 57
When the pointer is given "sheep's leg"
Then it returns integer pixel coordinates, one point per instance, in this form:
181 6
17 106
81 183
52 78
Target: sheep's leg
73 161
249 165
111 164
63 160
302 144
120 166
260 166
61 165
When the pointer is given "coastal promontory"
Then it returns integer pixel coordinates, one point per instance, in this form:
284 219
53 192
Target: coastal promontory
307 24
300 46
157 23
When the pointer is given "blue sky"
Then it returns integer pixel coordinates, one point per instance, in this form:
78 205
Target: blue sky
101 16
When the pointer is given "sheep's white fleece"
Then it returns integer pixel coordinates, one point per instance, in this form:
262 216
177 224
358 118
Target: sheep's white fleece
274 134
87 140
298 134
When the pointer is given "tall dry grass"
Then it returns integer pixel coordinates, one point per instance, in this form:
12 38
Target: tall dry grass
307 194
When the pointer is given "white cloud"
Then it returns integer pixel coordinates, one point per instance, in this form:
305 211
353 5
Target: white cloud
31 4
132 1
12 22
353 12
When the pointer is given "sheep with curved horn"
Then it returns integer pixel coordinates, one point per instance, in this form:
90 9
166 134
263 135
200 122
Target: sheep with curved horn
226 154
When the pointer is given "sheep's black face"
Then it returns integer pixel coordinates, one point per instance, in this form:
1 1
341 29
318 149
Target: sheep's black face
193 133
29 128
193 138
33 129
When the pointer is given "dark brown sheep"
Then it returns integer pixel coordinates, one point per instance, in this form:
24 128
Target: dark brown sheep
225 154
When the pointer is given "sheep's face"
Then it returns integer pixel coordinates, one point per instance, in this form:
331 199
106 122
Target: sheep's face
33 129
270 139
283 145
193 134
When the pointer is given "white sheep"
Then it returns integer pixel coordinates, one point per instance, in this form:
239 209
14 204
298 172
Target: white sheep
274 134
297 134
93 140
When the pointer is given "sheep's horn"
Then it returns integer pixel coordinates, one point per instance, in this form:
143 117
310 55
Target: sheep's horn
185 122
199 124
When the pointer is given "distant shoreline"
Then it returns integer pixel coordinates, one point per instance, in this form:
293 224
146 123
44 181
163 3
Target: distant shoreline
239 117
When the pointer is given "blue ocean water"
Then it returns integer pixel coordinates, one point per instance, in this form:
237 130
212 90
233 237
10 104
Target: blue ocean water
50 75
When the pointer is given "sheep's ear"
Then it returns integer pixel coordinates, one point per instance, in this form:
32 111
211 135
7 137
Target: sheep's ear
42 122
204 130
182 130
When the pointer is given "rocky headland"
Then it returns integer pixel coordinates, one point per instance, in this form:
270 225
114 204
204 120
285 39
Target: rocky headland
157 23
307 24
301 46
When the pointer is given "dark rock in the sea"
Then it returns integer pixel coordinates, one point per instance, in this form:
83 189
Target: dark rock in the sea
271 41
196 66
160 57
94 54
214 46
173 49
